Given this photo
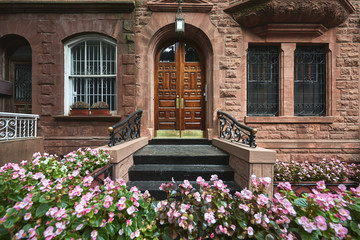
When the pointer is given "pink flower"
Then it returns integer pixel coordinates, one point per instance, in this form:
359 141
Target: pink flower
257 217
128 222
320 223
262 200
321 185
244 207
345 213
49 231
21 234
94 235
266 181
285 185
250 231
27 216
87 181
107 201
209 218
340 231
246 194
131 210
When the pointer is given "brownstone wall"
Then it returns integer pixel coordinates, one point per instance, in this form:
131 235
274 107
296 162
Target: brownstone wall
294 138
46 34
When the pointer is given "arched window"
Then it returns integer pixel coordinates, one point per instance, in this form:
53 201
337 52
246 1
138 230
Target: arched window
90 71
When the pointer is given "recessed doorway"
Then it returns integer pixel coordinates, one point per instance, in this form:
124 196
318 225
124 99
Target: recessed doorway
179 91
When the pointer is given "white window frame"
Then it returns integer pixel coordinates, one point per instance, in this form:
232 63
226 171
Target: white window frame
67 68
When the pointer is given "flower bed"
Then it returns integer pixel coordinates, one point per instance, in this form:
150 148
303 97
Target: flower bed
53 199
331 170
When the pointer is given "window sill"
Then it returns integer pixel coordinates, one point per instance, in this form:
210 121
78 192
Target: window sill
115 118
293 119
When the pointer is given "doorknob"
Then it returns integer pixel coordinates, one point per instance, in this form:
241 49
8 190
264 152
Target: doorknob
177 102
182 103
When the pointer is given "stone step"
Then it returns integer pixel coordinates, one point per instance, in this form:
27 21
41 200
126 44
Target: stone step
178 172
181 154
180 141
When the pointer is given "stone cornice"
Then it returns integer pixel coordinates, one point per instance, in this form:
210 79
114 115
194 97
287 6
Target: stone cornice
66 6
187 6
255 14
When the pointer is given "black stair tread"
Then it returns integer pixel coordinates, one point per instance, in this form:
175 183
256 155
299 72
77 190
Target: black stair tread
181 151
180 141
180 167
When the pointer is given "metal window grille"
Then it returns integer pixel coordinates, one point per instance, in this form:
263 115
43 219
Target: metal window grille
93 72
22 82
263 81
310 81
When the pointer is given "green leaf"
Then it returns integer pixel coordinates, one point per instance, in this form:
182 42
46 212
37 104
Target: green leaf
127 231
354 226
301 202
15 197
150 216
9 223
3 231
111 228
259 236
242 223
42 209
46 198
72 236
102 234
2 188
11 211
355 207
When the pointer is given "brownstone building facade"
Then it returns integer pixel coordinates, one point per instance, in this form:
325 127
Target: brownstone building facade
289 68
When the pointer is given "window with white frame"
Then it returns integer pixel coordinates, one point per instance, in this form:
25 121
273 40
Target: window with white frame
90 71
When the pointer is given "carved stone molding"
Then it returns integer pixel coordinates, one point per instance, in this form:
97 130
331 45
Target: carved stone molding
267 14
69 6
187 6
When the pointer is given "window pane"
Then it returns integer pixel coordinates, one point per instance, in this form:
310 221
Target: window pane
262 81
168 54
310 81
191 55
97 60
92 90
78 59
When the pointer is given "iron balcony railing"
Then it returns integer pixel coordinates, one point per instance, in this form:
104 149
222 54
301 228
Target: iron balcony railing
17 125
232 130
126 130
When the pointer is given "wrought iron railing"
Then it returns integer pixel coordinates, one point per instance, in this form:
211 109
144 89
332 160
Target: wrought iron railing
106 172
125 130
232 130
17 125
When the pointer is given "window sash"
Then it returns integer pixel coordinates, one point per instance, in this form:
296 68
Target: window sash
92 75
310 81
263 81
94 89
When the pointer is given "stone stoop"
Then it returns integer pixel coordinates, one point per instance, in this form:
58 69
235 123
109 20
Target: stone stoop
179 159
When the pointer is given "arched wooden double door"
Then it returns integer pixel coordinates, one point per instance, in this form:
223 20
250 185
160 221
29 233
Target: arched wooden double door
179 92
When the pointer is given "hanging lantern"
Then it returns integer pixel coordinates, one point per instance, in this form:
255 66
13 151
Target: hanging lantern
179 20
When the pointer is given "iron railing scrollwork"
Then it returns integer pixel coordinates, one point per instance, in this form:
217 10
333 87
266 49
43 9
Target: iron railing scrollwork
126 130
231 129
18 125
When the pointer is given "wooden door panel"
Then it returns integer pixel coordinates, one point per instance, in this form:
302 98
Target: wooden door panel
166 114
193 94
